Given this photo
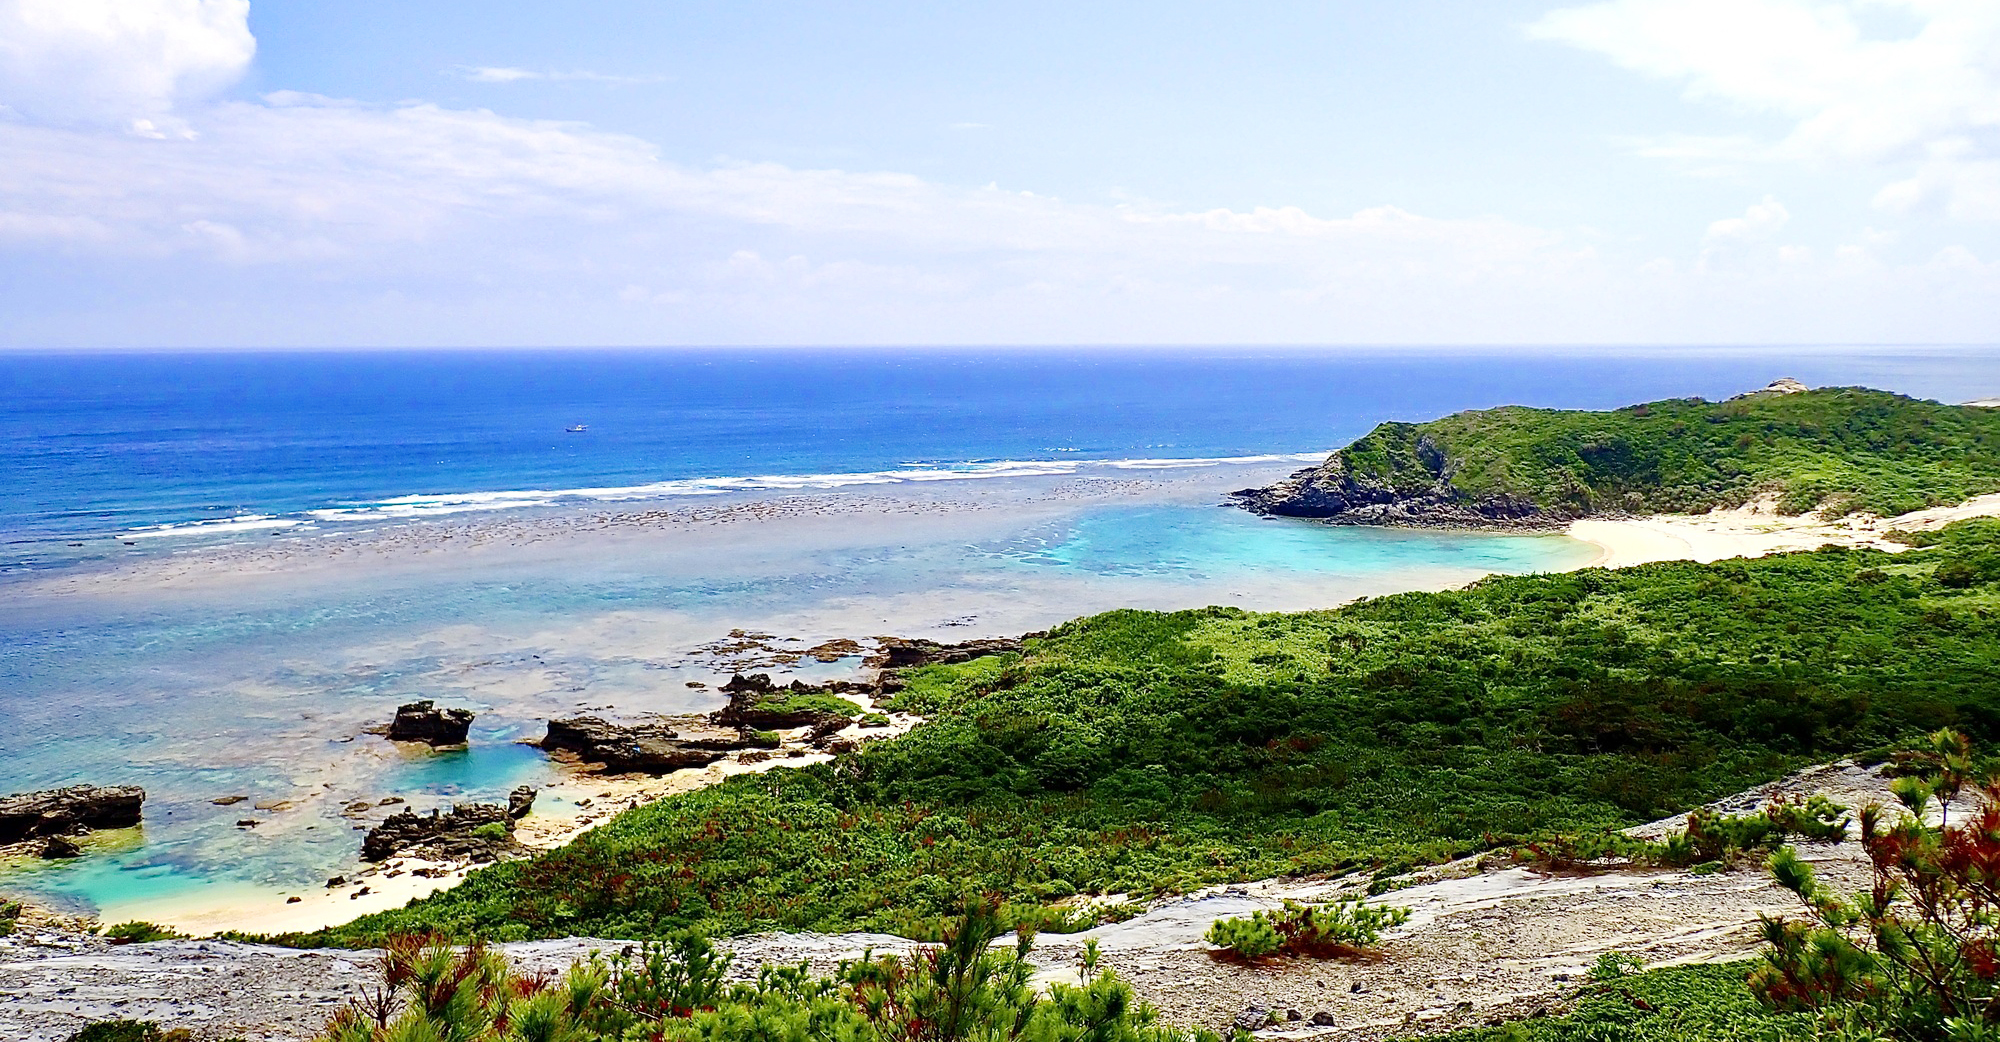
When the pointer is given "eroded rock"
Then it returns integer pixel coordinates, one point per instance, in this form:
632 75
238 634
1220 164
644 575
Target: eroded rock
61 812
651 748
424 722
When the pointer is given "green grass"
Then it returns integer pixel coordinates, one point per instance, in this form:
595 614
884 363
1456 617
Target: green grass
1683 1004
790 702
1149 752
1848 448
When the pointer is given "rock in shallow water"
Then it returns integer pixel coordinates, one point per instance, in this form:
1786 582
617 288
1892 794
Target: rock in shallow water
79 808
422 722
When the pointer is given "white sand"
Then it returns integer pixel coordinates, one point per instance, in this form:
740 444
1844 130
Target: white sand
394 883
1756 529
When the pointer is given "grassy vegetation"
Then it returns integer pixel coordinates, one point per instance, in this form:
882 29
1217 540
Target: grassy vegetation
1850 448
1682 1004
1146 752
790 702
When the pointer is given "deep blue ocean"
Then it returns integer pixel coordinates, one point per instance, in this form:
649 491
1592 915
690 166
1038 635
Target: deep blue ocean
92 445
201 686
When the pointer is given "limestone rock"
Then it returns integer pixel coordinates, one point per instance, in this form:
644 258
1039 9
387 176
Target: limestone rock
78 808
452 835
423 722
649 748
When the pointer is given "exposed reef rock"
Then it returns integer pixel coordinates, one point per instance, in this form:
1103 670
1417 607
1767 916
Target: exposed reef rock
421 722
466 832
757 707
649 748
908 653
66 812
758 704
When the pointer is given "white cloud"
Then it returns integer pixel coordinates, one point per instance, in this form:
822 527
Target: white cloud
1758 223
512 74
1852 96
303 219
119 61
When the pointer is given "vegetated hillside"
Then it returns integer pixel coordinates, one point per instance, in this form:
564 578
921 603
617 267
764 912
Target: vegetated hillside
1140 752
1842 448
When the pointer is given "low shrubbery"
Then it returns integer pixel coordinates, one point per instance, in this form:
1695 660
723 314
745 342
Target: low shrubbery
1342 929
961 989
1702 1003
1710 840
138 931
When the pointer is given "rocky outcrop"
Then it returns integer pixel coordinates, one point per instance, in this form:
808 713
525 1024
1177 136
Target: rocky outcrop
422 722
1330 493
655 747
467 832
909 653
1408 482
758 704
63 812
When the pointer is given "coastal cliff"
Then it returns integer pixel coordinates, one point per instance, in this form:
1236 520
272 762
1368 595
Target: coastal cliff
1840 450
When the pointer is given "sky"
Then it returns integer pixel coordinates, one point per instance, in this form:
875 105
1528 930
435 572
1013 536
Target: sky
608 172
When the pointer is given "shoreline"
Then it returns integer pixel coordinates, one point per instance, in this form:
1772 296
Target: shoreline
596 797
1755 529
1749 531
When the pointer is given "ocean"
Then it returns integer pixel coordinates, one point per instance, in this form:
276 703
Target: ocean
218 569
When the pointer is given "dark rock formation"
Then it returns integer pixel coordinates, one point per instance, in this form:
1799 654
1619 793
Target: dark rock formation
753 701
650 748
908 653
56 848
466 832
60 812
1421 496
421 722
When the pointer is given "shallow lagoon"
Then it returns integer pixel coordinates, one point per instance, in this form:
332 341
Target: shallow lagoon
211 685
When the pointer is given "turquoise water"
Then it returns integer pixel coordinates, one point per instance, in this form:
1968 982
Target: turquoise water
266 691
114 467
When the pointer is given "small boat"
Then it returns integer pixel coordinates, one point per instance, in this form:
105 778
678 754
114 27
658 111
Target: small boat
577 428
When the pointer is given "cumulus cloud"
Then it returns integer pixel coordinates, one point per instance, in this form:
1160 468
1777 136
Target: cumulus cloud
116 61
294 218
1928 93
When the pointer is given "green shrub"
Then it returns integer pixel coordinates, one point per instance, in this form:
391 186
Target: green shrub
138 931
766 739
874 720
1344 928
1250 938
492 830
960 989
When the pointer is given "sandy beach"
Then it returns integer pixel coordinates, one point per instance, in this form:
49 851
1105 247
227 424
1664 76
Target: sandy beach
585 798
1754 530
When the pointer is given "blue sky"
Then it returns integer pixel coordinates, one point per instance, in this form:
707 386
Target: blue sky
216 172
